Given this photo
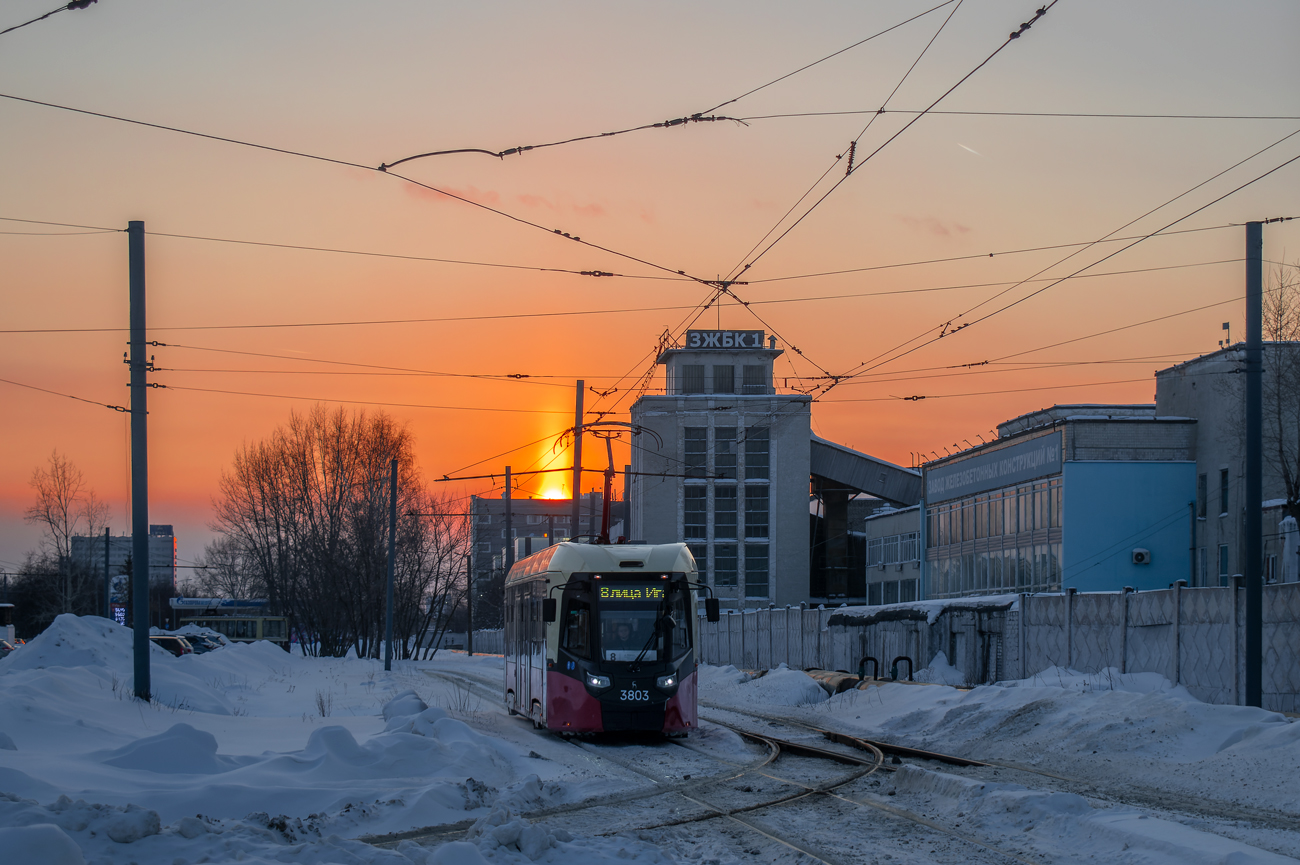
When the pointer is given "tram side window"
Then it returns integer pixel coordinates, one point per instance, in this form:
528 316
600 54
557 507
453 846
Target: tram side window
577 629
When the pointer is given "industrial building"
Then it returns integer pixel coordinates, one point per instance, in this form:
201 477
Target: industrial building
1211 388
735 473
88 553
1093 497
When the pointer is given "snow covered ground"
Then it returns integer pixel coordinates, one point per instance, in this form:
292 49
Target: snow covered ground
254 755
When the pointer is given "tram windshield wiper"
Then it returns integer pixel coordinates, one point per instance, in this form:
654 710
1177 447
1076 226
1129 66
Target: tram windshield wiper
662 623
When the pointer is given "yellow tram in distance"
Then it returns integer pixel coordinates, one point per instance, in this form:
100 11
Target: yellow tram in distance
603 638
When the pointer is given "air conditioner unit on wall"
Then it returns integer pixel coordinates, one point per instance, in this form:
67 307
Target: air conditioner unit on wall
1141 556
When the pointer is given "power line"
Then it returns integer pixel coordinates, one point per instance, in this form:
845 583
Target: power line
359 401
1014 36
514 151
945 331
75 4
1079 114
304 155
827 57
918 397
66 395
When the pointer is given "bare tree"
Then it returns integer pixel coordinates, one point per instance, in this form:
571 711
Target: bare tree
65 507
1281 313
304 513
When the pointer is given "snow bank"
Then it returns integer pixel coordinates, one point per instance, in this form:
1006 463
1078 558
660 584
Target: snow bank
1067 824
779 687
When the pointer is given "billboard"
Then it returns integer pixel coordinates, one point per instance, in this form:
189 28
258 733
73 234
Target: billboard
1026 460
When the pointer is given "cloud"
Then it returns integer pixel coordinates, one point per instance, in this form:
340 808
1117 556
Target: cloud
530 200
472 193
934 225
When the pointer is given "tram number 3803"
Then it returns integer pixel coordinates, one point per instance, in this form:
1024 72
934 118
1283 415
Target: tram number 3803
634 696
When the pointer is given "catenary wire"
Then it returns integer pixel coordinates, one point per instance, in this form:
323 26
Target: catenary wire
67 395
1080 114
852 145
827 57
304 155
75 4
890 356
919 397
1043 10
361 401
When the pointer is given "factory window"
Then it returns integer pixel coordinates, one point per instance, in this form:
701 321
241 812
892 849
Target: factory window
1202 493
697 443
701 554
724 511
696 517
758 452
1223 563
724 379
756 504
907 590
755 379
1223 492
724 564
692 378
874 594
756 571
891 592
724 452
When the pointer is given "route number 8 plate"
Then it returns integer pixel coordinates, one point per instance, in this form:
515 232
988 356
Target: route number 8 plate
631 696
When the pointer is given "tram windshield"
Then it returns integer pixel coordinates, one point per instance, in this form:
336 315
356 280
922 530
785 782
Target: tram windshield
628 612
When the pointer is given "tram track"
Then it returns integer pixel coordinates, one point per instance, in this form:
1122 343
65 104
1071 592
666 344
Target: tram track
707 796
1210 815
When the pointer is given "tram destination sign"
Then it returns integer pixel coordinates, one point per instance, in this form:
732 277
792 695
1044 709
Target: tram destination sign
1035 458
623 592
719 339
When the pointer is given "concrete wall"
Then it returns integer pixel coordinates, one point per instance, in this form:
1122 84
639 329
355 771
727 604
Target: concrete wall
1112 508
1193 637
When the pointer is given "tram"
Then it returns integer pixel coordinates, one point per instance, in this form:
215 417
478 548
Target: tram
603 637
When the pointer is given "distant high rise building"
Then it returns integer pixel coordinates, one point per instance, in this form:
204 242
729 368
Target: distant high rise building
88 552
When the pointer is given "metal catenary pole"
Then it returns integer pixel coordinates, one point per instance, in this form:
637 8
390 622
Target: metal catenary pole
392 562
577 461
139 463
469 606
1254 464
510 534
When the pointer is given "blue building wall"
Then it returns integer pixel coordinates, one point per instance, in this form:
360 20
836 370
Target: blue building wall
1110 508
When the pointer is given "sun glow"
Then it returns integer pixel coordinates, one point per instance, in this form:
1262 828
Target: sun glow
556 493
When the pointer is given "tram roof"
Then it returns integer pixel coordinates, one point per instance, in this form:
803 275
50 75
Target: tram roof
569 557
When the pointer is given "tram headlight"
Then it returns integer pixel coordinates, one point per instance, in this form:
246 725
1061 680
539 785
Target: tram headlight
597 681
667 682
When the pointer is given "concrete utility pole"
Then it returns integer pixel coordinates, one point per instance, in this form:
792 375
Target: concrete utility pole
392 562
139 463
510 539
1254 464
108 581
577 462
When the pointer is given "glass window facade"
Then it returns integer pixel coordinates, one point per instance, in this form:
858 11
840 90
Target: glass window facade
1006 540
692 378
724 378
725 563
697 512
756 571
758 453
724 455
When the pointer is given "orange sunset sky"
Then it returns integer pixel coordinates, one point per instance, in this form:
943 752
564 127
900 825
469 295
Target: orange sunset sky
254 332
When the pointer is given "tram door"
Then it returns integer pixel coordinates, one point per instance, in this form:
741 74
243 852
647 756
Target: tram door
526 649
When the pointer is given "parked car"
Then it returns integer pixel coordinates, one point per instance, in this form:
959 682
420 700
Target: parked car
5 648
204 642
176 645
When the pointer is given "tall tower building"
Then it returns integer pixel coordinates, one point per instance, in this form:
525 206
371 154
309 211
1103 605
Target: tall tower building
731 476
